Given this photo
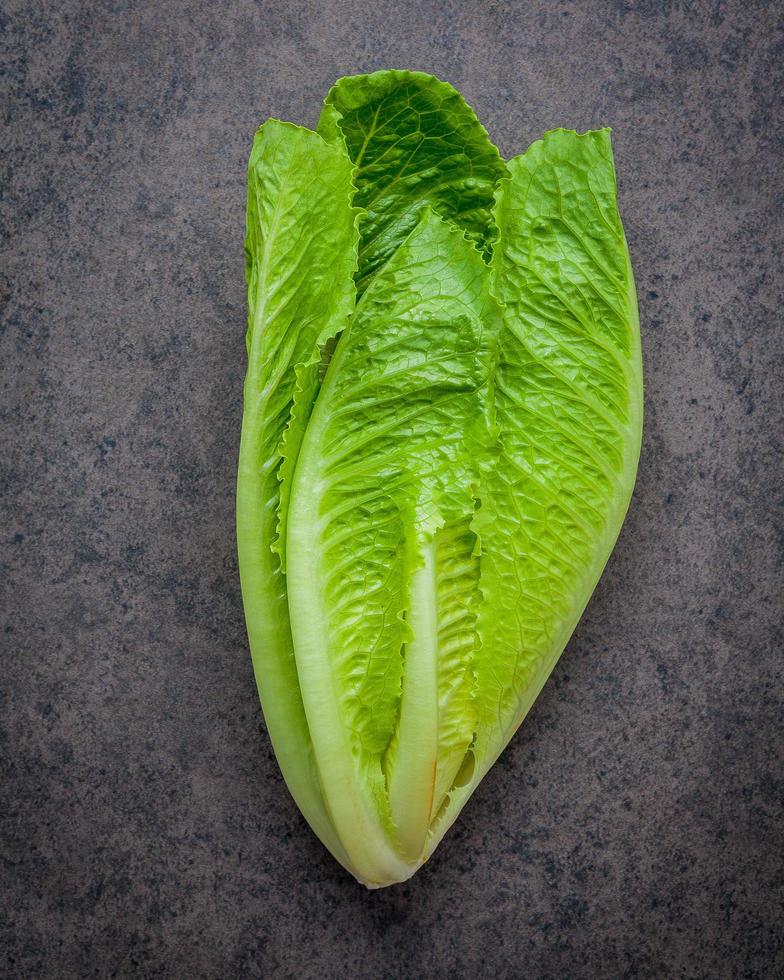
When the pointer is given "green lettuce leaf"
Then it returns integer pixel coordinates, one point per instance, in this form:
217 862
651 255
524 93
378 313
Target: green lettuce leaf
387 470
301 255
568 403
416 144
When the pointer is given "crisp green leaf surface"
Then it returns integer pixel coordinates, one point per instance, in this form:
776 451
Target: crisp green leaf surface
300 259
432 478
568 409
416 144
390 455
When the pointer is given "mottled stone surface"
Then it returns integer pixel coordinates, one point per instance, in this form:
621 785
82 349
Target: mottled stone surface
633 829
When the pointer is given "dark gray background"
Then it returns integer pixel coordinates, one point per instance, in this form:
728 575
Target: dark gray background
633 829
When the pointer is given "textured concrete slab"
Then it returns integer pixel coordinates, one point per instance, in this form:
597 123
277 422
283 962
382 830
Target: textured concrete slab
633 829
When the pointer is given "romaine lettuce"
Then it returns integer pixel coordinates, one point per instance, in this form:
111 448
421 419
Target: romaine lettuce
442 420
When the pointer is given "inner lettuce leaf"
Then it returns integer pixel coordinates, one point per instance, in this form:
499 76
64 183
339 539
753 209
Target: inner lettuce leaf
441 428
415 144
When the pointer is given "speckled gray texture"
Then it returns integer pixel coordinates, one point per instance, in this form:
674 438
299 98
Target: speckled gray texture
633 829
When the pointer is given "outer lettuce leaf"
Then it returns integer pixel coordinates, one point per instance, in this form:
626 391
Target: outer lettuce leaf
569 415
387 467
301 249
416 144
